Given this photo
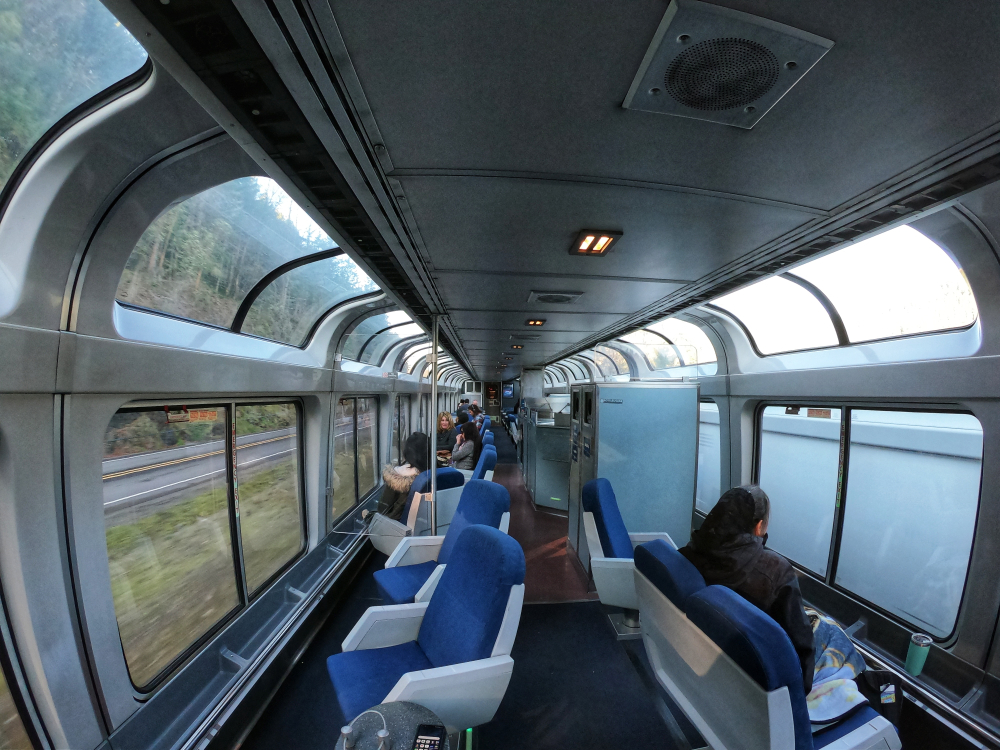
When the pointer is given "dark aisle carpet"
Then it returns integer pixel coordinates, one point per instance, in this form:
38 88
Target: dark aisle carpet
573 687
552 573
506 450
304 714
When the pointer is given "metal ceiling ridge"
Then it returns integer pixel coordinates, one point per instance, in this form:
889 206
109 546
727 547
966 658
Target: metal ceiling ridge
901 200
543 275
599 180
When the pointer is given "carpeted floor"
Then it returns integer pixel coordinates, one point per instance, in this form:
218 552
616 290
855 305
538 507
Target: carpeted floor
506 450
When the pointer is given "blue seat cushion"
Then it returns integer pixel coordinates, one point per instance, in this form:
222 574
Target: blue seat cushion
483 503
757 644
399 585
859 718
668 570
599 499
362 679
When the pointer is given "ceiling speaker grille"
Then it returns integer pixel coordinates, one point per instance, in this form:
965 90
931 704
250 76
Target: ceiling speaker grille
721 74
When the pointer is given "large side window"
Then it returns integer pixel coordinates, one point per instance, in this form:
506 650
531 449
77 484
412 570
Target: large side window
367 444
709 456
12 732
344 490
799 463
910 512
267 461
167 520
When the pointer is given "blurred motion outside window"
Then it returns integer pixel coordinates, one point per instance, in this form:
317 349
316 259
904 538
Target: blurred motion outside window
201 257
344 494
692 343
267 475
780 316
12 733
167 525
368 467
799 465
54 56
709 457
910 513
290 306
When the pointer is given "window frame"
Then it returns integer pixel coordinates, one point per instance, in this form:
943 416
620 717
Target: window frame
358 500
245 599
843 473
20 691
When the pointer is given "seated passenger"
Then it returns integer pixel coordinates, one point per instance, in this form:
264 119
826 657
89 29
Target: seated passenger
446 433
398 479
729 550
468 446
463 406
462 418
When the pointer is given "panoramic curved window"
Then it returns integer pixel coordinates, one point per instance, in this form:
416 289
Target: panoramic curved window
378 348
54 56
289 307
12 732
780 316
898 283
693 346
616 357
354 342
413 356
659 353
201 258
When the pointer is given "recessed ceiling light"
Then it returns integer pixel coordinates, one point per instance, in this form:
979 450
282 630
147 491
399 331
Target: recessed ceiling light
516 346
534 322
594 242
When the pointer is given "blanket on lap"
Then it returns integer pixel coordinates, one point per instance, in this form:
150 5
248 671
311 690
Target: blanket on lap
834 692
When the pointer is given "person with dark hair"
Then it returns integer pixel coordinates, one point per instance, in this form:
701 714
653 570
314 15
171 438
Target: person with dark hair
729 550
399 479
468 446
462 418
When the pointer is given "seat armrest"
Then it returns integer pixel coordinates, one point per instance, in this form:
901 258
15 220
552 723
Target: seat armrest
614 578
505 523
414 550
380 627
427 590
641 537
462 695
877 734
467 473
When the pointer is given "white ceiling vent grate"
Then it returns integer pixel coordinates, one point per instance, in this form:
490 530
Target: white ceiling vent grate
555 298
722 65
525 336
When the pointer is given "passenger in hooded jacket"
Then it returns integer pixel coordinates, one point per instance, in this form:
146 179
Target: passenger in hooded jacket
728 550
399 479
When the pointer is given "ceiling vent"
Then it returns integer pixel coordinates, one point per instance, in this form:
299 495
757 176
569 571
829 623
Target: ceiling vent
721 65
555 298
525 336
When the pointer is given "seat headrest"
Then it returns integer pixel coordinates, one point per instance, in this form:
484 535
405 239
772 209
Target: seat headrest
466 610
487 461
483 503
668 570
757 644
446 480
599 499
488 439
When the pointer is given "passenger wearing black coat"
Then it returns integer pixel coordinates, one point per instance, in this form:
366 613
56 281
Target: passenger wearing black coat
728 550
399 479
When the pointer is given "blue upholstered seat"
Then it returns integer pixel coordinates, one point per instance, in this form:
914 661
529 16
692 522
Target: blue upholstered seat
669 571
446 479
599 499
488 438
460 625
487 460
482 503
757 644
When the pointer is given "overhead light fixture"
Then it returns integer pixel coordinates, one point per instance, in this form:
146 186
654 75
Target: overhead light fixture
534 322
508 358
594 242
516 346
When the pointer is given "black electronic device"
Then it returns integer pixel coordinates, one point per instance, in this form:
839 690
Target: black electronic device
429 737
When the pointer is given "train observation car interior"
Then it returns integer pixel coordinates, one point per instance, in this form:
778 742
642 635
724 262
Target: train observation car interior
532 374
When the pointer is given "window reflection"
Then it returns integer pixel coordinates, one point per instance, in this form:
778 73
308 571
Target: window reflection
167 526
367 445
12 732
344 491
709 457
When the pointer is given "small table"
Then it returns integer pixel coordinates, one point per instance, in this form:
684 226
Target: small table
401 719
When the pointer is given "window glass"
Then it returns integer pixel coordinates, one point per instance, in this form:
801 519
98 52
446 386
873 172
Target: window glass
616 357
659 354
54 56
12 733
576 405
588 407
414 355
367 443
709 457
344 496
910 513
691 341
799 464
355 340
167 525
895 284
267 474
202 256
781 316
377 349
289 307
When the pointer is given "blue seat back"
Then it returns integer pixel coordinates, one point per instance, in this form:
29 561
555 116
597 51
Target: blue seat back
466 610
446 480
757 644
488 438
487 461
669 571
599 499
481 503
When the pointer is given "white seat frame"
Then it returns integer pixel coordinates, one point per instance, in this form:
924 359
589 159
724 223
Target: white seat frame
613 576
462 695
386 533
728 707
